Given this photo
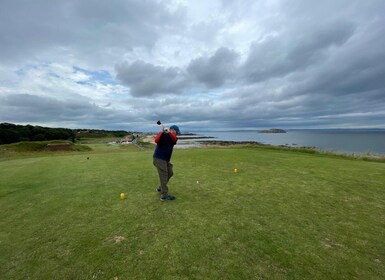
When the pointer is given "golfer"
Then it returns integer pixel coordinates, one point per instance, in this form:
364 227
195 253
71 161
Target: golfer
165 142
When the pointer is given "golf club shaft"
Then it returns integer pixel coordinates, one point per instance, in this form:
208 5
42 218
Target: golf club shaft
160 123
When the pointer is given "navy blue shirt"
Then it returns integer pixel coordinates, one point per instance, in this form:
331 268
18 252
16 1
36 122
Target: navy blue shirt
165 145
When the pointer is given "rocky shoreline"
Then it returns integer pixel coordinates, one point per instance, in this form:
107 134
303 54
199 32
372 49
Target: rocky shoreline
228 143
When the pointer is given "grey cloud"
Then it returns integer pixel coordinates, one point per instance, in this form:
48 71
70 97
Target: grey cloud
145 79
311 47
32 108
352 70
280 56
30 29
18 107
215 70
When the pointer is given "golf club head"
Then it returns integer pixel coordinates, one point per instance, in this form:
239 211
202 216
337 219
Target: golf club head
163 128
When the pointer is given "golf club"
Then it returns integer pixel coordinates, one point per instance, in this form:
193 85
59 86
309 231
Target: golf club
163 128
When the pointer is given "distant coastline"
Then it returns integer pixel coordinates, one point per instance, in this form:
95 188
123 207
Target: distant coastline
272 130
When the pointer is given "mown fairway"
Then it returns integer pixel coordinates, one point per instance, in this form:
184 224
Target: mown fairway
283 215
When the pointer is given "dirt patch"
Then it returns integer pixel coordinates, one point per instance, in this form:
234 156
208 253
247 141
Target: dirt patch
118 239
331 243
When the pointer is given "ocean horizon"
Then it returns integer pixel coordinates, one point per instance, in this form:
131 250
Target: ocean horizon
370 141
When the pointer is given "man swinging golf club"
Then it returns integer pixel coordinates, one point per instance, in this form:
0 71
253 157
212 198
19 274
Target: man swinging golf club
165 141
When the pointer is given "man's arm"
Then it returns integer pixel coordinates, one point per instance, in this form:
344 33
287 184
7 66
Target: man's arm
173 137
157 138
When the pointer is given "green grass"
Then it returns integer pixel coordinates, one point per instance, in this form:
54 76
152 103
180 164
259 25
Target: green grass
283 215
30 148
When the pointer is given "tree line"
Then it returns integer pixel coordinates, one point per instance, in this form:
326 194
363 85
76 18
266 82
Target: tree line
12 133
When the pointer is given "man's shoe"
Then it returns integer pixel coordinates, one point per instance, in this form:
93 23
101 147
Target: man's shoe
158 189
167 198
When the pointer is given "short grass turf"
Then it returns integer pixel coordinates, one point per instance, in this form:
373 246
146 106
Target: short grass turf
283 215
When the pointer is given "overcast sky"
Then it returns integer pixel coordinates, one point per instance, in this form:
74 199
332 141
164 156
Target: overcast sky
204 65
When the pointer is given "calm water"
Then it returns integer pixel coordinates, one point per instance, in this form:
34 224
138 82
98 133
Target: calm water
345 141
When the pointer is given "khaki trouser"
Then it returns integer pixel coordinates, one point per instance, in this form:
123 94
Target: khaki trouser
165 172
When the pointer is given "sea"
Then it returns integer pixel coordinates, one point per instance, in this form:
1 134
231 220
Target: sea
362 141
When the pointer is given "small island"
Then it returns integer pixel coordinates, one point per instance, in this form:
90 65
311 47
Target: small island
272 130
